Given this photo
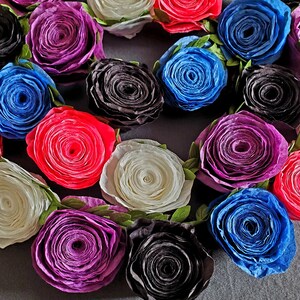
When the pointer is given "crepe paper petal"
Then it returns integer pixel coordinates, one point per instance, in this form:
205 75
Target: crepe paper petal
70 147
27 94
293 47
253 227
166 261
78 252
23 199
184 16
124 93
239 151
122 17
63 38
91 202
286 185
143 176
11 40
192 76
272 92
255 30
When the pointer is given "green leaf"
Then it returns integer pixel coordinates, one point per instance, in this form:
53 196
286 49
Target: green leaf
9 8
88 9
191 163
25 52
209 26
240 107
189 175
26 64
213 123
232 62
161 16
43 217
136 63
156 66
263 185
137 214
163 146
233 192
200 42
216 39
73 203
32 6
25 25
118 134
217 51
297 143
248 64
158 216
202 213
181 214
291 146
99 208
231 110
177 49
126 224
194 151
120 217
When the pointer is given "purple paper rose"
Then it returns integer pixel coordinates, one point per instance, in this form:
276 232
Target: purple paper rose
293 43
78 252
239 151
63 37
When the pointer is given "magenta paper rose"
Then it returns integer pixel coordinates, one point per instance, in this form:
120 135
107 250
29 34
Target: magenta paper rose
78 252
239 151
293 43
63 38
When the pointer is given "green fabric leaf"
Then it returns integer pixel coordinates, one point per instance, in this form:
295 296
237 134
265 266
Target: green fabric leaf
137 214
189 175
263 185
46 213
73 203
202 213
156 66
24 24
181 214
232 62
88 9
194 151
163 146
158 216
191 163
25 52
216 39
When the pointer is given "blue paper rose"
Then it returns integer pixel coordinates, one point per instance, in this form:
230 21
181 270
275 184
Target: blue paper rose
255 29
27 94
253 227
192 76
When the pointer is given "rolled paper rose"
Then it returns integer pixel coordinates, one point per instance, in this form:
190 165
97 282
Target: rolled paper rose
142 175
185 16
255 30
272 92
23 199
11 36
70 147
63 38
125 94
192 77
239 151
122 17
293 47
286 185
91 202
166 261
78 252
27 94
254 229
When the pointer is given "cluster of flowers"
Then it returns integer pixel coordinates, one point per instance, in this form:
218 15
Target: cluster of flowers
250 155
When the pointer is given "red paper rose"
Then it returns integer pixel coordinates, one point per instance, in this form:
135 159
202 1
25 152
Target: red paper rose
287 185
71 147
185 15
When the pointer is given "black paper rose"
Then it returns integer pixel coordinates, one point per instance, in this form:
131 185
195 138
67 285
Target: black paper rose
124 93
166 261
11 36
272 92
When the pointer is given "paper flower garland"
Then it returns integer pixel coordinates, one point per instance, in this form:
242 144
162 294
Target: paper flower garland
122 17
126 94
63 37
253 227
166 261
141 175
22 201
192 76
255 30
273 92
71 147
27 94
239 151
78 252
11 37
185 15
286 185
293 42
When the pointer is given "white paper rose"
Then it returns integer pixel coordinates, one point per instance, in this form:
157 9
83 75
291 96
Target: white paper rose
23 199
122 17
141 175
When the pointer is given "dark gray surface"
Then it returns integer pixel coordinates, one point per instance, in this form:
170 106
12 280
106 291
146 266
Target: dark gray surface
18 279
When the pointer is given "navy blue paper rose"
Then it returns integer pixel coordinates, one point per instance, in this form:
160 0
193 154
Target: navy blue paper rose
27 94
253 227
255 29
192 77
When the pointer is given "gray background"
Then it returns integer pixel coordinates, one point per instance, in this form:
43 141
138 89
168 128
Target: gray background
17 277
